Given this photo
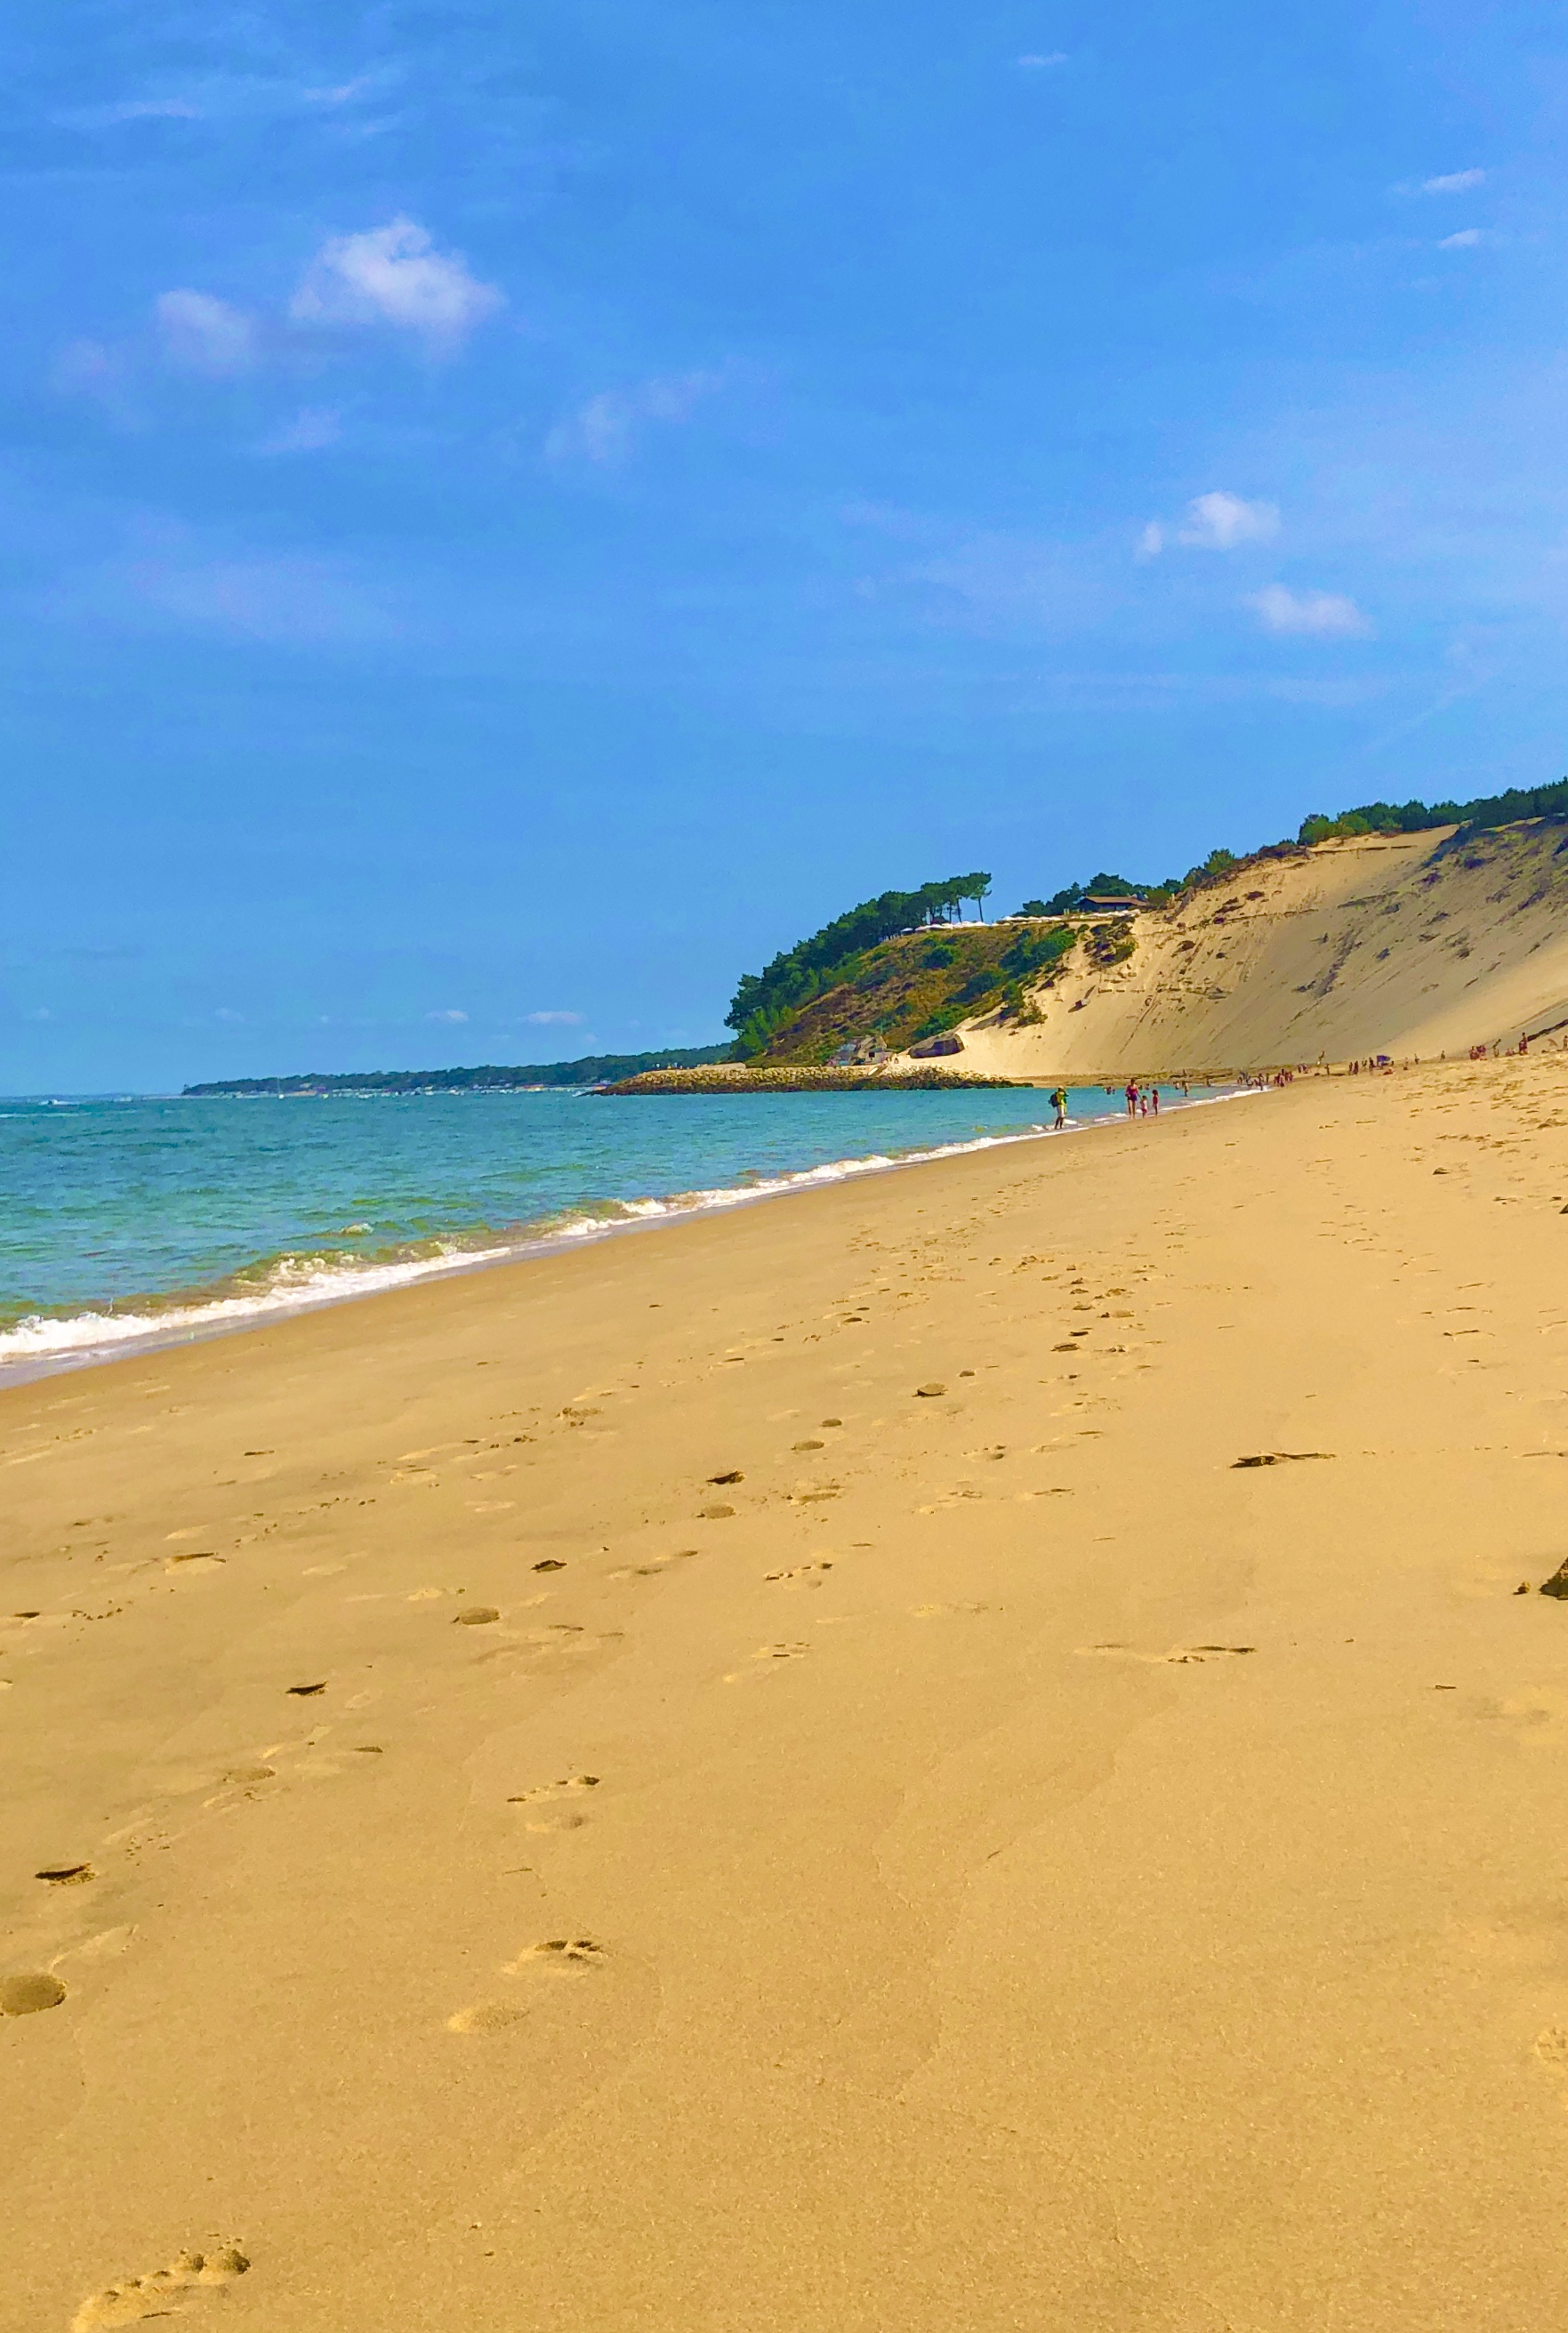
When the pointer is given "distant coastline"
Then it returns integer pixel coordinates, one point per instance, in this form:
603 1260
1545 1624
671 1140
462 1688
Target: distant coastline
591 1069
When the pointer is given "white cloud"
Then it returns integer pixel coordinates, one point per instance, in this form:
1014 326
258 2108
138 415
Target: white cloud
1465 240
203 335
313 428
553 1019
393 275
344 94
451 1014
228 96
603 429
1456 182
1036 63
1151 541
1221 522
1320 615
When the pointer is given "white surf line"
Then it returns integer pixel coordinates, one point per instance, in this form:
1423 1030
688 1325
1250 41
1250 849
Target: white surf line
43 1345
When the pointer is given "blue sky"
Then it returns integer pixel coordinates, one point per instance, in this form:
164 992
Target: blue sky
510 516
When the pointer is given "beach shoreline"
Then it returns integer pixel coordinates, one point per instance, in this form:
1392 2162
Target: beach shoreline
49 1345
980 1750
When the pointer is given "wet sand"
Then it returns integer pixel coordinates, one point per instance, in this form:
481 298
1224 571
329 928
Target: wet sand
582 1796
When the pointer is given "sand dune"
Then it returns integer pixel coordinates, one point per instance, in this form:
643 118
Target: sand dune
956 1753
1399 944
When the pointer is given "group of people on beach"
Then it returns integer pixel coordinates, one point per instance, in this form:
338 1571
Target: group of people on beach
1142 1101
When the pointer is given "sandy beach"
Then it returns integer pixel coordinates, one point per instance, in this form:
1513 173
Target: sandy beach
796 1772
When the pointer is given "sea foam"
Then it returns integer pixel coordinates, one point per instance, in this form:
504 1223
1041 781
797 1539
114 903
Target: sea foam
41 1343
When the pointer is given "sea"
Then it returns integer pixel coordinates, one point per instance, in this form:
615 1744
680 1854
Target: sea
133 1220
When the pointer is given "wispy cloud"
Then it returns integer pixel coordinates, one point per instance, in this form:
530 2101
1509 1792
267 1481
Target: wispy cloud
553 1019
393 275
131 109
204 335
1317 615
1455 182
345 93
283 601
990 581
451 1013
604 429
226 97
1037 61
169 578
1465 240
1222 522
1213 522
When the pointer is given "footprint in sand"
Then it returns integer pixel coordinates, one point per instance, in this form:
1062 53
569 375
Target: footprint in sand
651 1570
486 2016
240 1778
547 1797
940 1611
29 1991
558 1957
801 1575
555 1952
763 1658
1540 1717
1552 2049
163 2292
554 1790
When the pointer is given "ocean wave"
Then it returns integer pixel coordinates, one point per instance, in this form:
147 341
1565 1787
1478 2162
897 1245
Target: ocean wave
297 1283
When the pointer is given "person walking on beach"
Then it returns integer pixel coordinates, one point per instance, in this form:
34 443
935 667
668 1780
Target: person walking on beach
1058 1104
1154 1100
1132 1097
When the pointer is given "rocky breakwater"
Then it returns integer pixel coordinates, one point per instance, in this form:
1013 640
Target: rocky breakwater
735 1078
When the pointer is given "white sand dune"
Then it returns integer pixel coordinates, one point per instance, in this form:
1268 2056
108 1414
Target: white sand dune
1406 946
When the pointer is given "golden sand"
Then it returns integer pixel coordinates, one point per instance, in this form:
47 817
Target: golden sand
782 1775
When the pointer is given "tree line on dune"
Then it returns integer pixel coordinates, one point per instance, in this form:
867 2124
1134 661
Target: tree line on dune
1415 817
766 1002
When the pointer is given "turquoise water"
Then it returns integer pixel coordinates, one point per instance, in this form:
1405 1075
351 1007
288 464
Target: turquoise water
123 1219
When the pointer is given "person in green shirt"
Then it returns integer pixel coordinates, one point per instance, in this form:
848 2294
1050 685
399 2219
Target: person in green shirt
1058 1104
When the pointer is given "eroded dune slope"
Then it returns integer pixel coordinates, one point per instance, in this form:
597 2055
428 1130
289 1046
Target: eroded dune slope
1406 944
